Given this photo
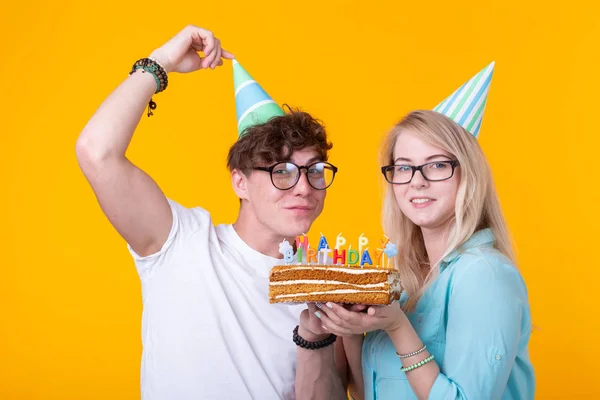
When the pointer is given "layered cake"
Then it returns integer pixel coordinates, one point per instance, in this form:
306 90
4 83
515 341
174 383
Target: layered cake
350 276
335 283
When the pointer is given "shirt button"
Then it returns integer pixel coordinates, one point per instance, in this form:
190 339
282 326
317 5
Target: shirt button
498 357
420 319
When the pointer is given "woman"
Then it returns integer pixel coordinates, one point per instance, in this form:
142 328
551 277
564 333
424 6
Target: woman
462 326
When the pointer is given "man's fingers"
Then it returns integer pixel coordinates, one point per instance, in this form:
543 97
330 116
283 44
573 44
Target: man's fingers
227 55
214 64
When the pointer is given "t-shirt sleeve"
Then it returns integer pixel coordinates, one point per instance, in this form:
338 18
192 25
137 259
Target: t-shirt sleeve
185 222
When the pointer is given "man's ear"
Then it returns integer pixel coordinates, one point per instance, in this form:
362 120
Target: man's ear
239 181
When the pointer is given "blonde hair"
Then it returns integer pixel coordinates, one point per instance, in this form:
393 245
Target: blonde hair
477 205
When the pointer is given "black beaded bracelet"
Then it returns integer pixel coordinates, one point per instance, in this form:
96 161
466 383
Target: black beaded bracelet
305 344
151 66
159 74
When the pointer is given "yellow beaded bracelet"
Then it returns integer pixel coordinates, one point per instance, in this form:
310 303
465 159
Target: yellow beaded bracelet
417 365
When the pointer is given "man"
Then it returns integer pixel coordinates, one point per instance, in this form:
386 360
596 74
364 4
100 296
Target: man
209 331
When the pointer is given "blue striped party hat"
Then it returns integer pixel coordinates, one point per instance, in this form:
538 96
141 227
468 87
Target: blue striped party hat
253 105
466 105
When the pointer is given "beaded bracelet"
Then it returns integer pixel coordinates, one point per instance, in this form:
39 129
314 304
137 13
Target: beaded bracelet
417 365
414 353
305 344
159 74
154 68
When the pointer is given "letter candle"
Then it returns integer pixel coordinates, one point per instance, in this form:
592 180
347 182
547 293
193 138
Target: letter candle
311 256
353 256
383 254
287 250
337 255
339 241
362 242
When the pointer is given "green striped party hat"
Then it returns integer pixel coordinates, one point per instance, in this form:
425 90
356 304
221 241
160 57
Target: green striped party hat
253 105
466 105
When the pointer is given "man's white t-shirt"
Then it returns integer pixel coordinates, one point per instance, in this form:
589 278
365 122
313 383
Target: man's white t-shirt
208 330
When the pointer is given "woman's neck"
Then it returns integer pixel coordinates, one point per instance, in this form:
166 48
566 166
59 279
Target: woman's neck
436 242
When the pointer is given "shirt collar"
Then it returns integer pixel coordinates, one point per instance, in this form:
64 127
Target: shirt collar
482 238
261 263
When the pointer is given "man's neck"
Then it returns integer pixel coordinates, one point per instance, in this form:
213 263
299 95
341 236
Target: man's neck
257 236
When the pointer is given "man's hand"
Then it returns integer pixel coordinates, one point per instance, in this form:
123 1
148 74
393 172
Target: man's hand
180 54
311 327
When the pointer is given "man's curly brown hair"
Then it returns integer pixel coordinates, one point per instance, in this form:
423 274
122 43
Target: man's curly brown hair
277 139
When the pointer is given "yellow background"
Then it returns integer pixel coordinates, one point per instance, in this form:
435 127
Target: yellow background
69 294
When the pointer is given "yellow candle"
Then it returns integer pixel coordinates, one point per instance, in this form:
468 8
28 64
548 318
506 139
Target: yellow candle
384 242
362 242
339 241
377 256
